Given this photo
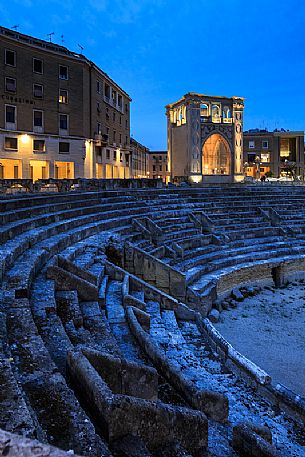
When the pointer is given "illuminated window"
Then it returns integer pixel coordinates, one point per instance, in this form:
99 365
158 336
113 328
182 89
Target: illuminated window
265 157
10 85
37 66
204 110
63 96
216 113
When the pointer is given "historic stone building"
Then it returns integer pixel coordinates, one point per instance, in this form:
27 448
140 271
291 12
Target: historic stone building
278 153
158 165
139 159
205 139
62 116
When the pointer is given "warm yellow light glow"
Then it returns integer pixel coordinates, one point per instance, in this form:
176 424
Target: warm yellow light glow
196 179
25 139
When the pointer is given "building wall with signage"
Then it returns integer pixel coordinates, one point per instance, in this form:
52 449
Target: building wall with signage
58 109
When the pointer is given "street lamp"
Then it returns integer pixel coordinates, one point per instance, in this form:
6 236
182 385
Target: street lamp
257 163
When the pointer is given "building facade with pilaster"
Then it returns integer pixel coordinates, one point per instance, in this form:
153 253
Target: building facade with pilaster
205 138
61 115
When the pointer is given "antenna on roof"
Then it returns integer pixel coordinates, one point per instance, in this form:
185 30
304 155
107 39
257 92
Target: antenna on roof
15 27
62 39
81 48
50 36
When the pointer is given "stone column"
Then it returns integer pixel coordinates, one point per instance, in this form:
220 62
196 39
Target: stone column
194 139
238 141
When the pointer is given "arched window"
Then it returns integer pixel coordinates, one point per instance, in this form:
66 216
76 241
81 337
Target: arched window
204 110
215 113
226 112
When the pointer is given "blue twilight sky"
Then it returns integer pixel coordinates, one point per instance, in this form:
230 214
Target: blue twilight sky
158 50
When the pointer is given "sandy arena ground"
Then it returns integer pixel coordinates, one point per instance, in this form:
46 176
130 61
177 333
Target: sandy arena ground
269 329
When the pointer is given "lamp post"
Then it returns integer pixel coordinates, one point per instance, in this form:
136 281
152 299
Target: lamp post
257 163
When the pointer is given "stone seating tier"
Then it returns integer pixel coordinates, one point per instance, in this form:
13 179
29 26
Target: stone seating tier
46 319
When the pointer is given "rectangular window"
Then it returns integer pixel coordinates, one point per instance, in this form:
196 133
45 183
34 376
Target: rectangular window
120 138
120 120
126 124
39 146
160 168
121 157
154 167
107 153
10 58
107 91
10 85
63 147
113 116
10 114
37 118
114 155
114 136
11 143
251 144
114 97
120 101
265 157
251 158
63 72
63 96
38 90
99 129
265 144
98 87
37 66
98 107
63 122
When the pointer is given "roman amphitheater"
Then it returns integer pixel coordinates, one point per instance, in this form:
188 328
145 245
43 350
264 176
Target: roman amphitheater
108 298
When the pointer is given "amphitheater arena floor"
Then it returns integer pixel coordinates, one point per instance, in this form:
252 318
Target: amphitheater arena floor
269 329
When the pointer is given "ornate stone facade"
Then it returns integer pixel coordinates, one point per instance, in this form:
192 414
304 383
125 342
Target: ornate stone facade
205 138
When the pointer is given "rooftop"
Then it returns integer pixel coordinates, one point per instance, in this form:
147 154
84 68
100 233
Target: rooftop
195 95
54 48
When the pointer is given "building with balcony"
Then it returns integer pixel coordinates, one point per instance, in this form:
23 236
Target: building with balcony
158 165
278 153
205 138
139 160
62 116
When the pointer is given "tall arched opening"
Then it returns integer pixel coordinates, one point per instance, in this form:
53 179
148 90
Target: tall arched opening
216 156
